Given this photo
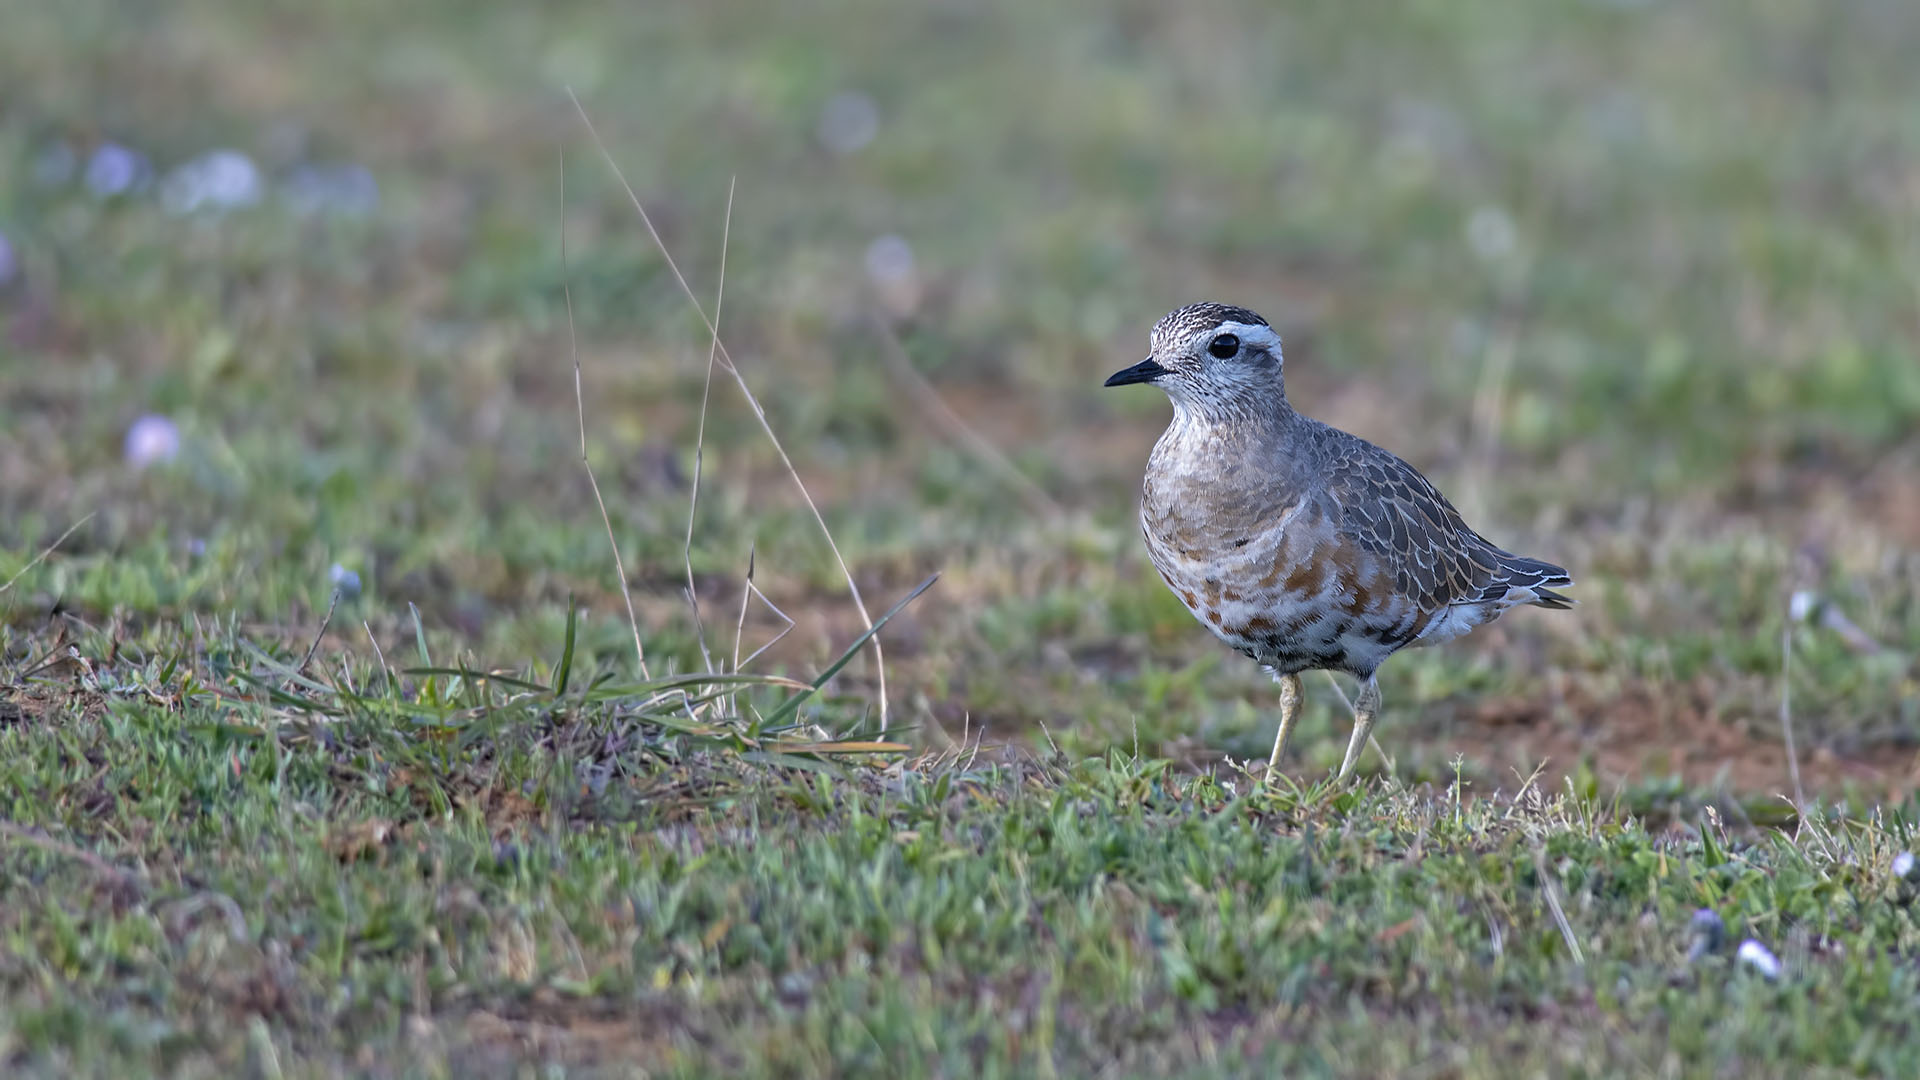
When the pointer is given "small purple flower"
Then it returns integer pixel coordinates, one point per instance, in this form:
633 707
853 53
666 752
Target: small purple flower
1906 878
1708 931
8 265
151 440
115 170
345 580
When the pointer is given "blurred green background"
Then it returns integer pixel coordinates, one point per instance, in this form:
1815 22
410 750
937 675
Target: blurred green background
1638 283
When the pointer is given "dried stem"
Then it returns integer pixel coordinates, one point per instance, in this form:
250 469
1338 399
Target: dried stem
700 432
580 405
726 363
928 398
317 635
46 551
1786 713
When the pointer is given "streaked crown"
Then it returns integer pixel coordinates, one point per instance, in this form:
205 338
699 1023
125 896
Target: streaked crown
1183 324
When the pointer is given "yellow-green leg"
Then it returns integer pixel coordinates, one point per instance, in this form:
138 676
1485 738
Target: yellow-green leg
1289 711
1364 709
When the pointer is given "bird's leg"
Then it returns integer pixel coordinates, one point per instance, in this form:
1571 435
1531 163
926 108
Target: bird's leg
1289 711
1364 708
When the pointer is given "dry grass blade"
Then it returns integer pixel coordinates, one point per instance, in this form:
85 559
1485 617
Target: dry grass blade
46 551
580 406
791 707
325 621
759 414
843 746
1786 713
700 431
1550 886
928 398
746 594
754 590
379 657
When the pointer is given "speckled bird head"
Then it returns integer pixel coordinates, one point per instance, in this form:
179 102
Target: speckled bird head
1214 358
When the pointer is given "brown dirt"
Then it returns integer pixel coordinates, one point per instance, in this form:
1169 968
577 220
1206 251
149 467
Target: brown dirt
577 1031
1643 730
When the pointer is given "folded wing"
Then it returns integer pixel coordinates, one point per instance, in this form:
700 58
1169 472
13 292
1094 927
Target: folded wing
1438 561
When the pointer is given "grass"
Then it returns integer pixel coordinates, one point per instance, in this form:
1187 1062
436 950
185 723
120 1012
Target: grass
586 904
1636 283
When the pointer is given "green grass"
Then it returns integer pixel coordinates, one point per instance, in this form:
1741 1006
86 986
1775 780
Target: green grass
1635 283
374 898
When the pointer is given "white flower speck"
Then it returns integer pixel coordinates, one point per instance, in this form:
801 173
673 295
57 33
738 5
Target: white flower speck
1802 604
151 440
1759 958
217 180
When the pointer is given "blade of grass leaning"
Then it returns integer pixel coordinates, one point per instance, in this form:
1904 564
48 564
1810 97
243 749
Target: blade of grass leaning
857 733
794 761
678 721
285 671
383 705
844 747
478 678
420 635
788 708
565 670
606 691
285 698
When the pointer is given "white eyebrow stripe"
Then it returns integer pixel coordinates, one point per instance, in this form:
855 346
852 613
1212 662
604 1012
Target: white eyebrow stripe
1250 334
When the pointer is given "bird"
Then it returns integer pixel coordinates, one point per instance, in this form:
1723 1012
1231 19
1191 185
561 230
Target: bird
1300 545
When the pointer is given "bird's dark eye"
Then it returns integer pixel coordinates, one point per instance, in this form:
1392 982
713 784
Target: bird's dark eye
1224 347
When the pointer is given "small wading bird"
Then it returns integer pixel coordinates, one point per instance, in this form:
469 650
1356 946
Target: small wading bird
1300 545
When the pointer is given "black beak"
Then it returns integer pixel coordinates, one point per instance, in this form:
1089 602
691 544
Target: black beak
1145 371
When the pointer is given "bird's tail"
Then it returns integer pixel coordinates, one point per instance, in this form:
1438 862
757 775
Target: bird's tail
1541 578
